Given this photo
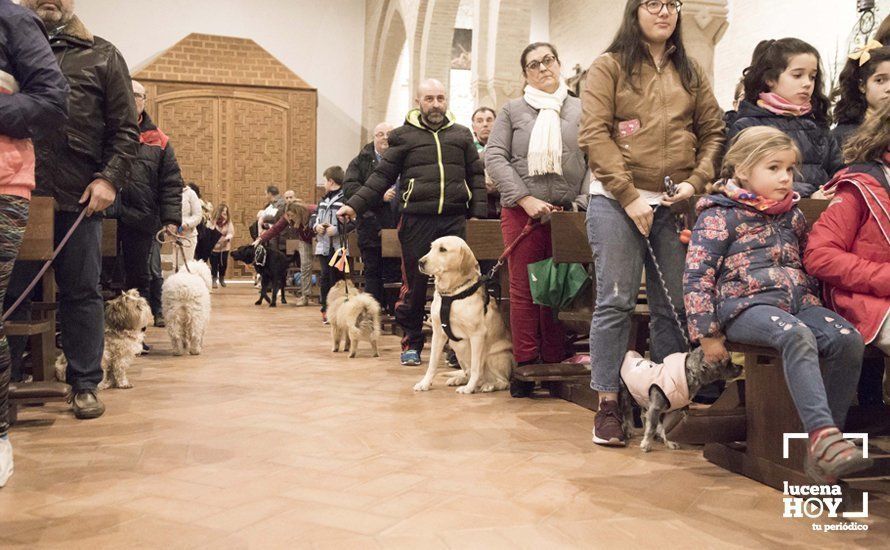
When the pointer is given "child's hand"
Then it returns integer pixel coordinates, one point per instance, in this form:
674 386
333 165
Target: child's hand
715 350
330 231
824 194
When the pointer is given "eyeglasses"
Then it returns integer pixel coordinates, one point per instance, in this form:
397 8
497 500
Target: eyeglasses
655 6
547 62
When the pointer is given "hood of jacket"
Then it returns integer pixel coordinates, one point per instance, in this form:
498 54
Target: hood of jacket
415 118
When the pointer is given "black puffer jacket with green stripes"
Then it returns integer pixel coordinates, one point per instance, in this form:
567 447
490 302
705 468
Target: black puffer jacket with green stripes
440 171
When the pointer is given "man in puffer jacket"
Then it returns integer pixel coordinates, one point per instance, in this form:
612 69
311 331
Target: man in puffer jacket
83 165
151 199
33 100
442 183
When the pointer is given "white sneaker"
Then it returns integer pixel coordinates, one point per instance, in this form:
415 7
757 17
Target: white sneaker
6 466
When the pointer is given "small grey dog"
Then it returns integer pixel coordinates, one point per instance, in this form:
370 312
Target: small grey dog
663 389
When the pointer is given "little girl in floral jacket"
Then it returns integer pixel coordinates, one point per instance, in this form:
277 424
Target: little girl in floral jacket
744 281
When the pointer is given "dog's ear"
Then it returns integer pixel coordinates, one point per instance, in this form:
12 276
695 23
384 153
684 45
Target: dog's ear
468 264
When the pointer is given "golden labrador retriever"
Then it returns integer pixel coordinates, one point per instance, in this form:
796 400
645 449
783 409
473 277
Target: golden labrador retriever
484 348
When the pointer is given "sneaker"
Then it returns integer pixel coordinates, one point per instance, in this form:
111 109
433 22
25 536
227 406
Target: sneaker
222 282
86 404
607 428
159 321
831 457
452 360
410 358
6 465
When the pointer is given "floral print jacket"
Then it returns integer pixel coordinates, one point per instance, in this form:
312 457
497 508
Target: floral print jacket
739 257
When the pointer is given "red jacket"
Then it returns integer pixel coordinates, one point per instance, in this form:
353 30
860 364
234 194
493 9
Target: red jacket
849 248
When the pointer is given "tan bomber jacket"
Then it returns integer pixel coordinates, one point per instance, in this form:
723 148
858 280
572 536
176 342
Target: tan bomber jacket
635 139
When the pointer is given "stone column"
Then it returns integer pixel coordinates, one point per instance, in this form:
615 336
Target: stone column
704 23
502 31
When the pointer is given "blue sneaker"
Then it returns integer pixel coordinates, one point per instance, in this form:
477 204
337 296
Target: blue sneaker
410 358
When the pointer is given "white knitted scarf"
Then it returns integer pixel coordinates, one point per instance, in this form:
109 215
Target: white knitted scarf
545 145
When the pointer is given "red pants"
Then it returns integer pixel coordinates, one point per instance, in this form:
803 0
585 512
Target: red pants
536 333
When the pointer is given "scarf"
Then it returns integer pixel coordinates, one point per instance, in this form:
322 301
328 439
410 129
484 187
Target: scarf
545 145
768 206
778 105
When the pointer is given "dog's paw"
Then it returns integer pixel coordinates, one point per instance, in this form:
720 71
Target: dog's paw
177 353
103 385
423 385
458 380
194 352
352 355
486 388
465 390
646 445
125 385
672 445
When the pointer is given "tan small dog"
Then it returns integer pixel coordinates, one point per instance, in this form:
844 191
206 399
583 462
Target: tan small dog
483 348
126 318
353 316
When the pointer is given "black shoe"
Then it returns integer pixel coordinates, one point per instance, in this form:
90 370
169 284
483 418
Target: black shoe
86 404
452 360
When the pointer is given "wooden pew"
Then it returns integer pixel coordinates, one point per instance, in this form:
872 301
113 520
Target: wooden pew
37 246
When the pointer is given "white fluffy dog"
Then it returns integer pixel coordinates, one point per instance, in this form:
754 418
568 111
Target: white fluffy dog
353 316
483 345
126 318
186 306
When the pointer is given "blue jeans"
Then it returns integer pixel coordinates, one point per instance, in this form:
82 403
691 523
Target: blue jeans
81 310
620 254
815 333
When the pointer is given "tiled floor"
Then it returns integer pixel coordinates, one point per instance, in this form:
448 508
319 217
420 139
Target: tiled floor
270 441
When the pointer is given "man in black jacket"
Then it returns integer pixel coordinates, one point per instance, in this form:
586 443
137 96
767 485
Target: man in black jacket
83 165
151 199
377 269
442 183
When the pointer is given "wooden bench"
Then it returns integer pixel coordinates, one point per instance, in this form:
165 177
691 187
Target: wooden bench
37 246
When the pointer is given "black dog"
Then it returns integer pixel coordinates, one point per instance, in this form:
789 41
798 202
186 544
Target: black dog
273 272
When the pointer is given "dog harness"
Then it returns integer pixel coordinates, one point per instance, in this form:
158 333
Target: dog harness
445 309
640 375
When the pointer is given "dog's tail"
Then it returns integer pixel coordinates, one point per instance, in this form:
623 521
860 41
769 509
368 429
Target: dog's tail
368 318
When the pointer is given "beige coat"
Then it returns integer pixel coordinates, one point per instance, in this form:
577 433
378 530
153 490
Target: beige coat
678 135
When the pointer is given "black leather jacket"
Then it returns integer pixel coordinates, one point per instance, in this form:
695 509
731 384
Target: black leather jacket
100 138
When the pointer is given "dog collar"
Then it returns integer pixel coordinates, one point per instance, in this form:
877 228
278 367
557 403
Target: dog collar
447 300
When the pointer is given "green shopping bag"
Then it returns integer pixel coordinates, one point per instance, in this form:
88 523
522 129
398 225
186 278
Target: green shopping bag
555 285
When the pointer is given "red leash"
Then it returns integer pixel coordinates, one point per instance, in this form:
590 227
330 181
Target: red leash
530 226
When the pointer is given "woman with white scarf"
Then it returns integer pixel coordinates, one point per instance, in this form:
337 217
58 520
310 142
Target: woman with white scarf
533 157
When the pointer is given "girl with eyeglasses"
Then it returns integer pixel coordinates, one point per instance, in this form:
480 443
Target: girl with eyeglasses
648 114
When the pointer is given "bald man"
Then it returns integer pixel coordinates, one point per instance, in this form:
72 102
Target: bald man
377 269
442 183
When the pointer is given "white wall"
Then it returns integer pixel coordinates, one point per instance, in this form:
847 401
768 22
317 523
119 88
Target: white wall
540 27
321 41
826 24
